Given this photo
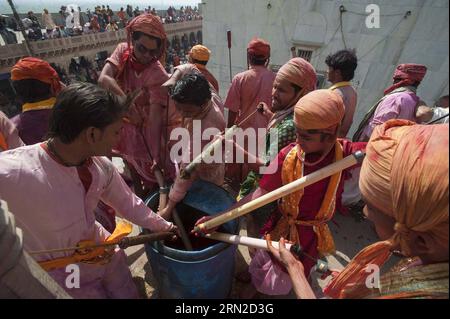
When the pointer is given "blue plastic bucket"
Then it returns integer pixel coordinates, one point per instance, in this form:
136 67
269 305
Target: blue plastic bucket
202 274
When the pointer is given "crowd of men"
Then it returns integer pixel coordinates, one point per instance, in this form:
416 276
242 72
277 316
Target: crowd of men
55 171
71 21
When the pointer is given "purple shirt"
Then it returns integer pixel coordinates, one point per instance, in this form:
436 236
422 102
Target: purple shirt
32 125
400 105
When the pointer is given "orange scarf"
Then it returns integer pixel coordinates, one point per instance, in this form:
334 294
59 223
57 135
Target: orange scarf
286 227
99 255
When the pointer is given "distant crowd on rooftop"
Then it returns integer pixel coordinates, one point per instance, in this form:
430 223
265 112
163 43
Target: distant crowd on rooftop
72 21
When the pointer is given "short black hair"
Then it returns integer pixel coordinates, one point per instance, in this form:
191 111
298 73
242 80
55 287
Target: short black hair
32 90
83 105
191 89
138 34
257 60
344 61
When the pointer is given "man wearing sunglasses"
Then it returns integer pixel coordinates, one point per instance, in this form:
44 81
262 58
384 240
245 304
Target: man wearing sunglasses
135 66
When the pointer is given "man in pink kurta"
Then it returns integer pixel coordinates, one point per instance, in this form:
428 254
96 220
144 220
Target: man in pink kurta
251 87
9 136
341 70
52 188
398 105
202 121
247 91
400 100
135 66
137 136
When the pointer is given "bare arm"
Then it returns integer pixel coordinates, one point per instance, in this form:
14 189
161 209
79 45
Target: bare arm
295 269
107 79
300 284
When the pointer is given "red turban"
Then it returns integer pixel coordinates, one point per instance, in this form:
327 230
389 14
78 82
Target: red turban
259 48
150 25
36 69
407 74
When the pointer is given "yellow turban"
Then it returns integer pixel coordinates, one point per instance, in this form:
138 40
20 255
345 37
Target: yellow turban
200 53
319 109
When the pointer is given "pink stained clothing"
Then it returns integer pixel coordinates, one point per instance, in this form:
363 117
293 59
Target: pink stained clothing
210 172
401 105
247 90
53 210
350 98
132 143
190 68
9 132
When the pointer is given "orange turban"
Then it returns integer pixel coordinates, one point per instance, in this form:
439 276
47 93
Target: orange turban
259 48
36 69
300 72
319 109
200 53
405 176
148 24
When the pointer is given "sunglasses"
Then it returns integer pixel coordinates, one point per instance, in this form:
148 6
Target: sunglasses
143 49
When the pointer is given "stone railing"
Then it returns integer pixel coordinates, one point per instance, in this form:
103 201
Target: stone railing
10 53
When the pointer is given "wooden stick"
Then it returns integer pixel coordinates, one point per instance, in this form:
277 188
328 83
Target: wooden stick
123 243
281 192
321 265
212 148
184 235
207 152
244 241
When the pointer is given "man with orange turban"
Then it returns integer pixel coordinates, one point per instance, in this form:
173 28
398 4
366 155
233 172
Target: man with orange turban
400 101
199 56
294 80
302 216
37 84
404 181
133 66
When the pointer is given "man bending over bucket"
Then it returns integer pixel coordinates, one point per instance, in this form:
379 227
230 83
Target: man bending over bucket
192 97
53 188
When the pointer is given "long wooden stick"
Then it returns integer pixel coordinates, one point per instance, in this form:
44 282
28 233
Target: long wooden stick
281 192
213 147
321 265
123 243
244 241
183 233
